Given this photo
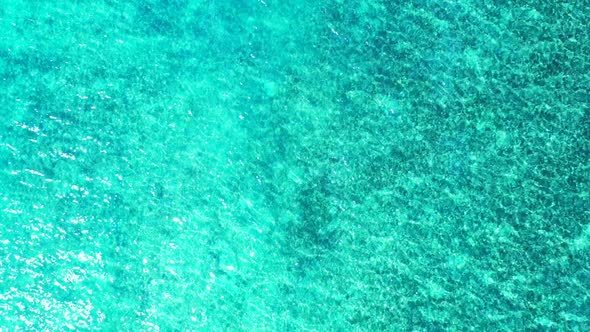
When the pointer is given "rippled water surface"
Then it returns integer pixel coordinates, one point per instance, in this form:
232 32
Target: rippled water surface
251 165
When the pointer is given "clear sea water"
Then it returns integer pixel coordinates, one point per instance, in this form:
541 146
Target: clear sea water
262 165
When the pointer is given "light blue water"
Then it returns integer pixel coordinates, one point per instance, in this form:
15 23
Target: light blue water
294 166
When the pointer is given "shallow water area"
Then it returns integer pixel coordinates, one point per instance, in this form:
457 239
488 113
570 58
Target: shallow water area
260 165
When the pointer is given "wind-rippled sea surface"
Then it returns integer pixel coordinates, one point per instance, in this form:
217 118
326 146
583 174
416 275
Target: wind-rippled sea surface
262 165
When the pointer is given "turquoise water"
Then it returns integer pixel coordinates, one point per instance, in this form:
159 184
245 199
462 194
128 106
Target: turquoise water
294 166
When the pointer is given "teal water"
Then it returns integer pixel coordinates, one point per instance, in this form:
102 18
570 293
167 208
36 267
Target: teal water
257 165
